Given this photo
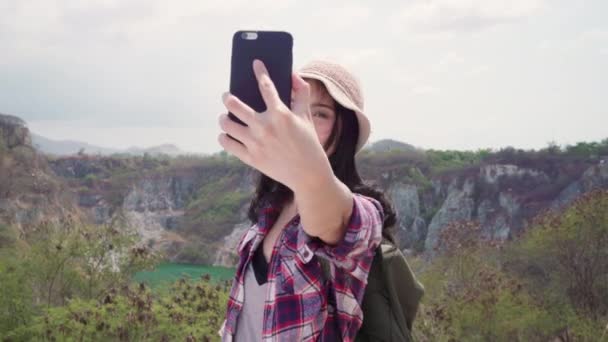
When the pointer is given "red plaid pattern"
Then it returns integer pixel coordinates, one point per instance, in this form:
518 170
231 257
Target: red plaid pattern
300 304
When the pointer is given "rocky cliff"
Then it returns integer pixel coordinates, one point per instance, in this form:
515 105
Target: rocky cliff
502 192
194 209
30 193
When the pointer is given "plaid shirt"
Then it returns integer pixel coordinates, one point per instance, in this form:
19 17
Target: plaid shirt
300 305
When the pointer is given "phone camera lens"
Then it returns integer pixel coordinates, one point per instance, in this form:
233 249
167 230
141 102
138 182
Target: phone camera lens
249 35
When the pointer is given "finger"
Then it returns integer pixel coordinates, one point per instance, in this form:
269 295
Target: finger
239 108
234 147
235 129
301 96
267 88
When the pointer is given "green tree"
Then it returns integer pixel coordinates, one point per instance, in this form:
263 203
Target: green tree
59 262
566 254
3 148
16 297
73 259
187 310
469 297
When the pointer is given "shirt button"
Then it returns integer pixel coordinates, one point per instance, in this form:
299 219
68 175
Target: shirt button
305 254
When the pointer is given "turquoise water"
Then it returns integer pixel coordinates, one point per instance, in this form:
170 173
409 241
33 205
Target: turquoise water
167 273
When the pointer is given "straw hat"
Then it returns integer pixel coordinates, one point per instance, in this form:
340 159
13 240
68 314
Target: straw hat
344 88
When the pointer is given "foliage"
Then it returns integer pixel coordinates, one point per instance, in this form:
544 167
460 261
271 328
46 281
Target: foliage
549 283
3 147
196 252
16 307
74 282
216 204
565 254
7 236
415 176
80 260
185 311
469 298
442 161
554 160
90 180
62 261
588 149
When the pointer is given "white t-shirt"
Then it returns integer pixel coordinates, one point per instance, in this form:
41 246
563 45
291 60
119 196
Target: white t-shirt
251 319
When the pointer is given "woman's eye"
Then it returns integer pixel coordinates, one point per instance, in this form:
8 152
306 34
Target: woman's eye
319 114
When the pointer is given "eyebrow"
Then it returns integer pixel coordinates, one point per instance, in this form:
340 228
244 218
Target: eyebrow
323 105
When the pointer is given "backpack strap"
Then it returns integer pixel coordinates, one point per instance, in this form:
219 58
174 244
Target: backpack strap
393 280
402 287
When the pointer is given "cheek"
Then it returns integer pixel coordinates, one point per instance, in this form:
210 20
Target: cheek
323 128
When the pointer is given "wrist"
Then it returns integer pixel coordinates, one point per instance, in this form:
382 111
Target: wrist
315 181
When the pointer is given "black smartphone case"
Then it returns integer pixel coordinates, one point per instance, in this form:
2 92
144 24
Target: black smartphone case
274 48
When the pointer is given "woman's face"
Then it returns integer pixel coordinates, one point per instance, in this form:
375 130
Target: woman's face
322 108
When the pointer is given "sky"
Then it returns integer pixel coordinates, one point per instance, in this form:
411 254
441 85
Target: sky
441 74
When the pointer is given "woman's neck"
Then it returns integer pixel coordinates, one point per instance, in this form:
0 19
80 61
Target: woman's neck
291 206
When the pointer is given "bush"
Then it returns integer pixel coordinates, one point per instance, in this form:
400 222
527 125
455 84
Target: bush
16 297
184 311
7 236
471 300
443 161
565 255
3 148
195 253
90 180
552 282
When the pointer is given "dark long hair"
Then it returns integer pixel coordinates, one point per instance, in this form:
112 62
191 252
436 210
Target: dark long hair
342 161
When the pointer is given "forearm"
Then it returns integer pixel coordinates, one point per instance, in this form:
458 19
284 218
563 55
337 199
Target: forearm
324 207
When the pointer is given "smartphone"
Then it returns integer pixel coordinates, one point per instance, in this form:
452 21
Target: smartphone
274 48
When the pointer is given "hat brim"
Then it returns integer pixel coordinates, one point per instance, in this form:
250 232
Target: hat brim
342 98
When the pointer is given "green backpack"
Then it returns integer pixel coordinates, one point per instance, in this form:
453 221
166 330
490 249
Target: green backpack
391 298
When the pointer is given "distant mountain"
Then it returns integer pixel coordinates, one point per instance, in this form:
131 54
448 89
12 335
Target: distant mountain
386 145
169 149
70 147
67 147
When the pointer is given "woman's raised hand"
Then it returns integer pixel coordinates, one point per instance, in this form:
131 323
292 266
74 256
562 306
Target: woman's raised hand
281 143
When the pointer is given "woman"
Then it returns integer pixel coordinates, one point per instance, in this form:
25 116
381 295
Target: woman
310 203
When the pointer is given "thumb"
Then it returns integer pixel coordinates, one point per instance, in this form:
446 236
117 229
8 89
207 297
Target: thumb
301 96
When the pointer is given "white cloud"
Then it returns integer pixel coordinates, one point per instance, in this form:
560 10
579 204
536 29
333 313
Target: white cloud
139 66
560 45
449 16
364 56
354 58
448 62
589 39
596 39
342 17
409 81
595 35
424 90
478 70
40 23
